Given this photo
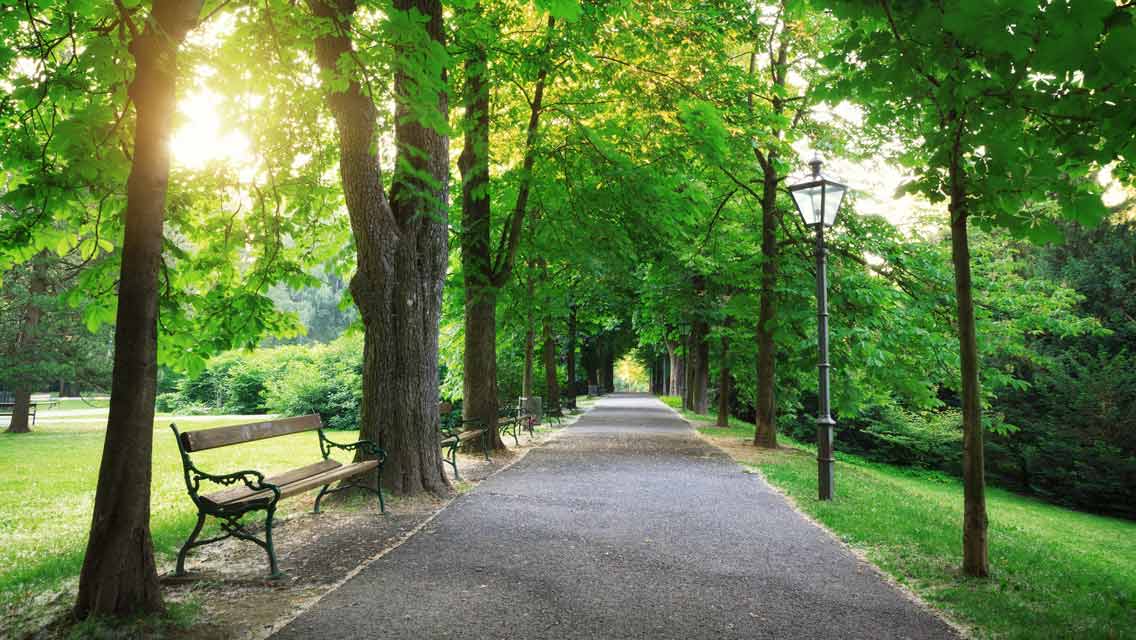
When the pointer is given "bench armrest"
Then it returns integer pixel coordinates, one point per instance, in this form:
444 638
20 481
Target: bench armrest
252 479
451 431
366 446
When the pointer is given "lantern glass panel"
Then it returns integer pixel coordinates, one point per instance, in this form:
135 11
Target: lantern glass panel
809 201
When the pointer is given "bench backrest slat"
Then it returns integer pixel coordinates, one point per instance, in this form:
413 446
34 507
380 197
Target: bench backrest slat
238 433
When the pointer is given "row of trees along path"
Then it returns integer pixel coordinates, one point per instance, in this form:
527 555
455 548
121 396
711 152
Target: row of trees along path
636 142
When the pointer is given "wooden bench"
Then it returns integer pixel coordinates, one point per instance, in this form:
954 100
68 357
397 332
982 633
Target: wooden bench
258 493
8 408
455 431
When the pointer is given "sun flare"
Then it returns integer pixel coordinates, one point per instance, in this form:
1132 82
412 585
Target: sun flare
202 139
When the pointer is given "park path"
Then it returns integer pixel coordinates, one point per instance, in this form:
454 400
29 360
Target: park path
626 526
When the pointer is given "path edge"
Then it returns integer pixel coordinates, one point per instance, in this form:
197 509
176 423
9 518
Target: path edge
268 632
963 631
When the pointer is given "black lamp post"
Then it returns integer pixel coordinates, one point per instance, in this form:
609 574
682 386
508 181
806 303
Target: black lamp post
818 200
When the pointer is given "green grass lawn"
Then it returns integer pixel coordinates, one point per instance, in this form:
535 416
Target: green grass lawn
47 487
59 404
1056 573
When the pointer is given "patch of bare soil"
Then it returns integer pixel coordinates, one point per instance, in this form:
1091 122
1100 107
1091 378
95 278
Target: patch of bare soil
740 449
743 450
228 581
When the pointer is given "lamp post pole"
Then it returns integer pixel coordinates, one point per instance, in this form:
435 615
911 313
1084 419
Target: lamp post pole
812 199
824 421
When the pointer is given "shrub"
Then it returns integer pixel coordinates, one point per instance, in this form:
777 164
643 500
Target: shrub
328 380
290 380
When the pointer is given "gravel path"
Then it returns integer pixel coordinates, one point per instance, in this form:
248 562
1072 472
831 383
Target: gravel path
626 526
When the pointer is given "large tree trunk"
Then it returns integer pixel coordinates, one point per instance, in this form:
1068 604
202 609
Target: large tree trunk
552 385
678 371
25 343
119 576
21 408
975 558
401 247
674 370
479 388
609 367
687 369
724 384
699 366
765 435
571 358
588 361
698 355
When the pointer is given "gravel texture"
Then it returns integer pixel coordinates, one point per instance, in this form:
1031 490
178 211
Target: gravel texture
626 526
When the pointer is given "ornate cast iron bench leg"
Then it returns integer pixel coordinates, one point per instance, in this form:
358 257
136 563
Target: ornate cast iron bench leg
326 489
274 571
180 570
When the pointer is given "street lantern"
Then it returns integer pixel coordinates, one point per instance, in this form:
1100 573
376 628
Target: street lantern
818 201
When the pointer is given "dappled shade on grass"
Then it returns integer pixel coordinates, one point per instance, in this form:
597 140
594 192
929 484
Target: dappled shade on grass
1054 571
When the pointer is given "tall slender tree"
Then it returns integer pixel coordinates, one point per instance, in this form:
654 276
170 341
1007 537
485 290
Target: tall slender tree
119 576
25 343
484 272
986 135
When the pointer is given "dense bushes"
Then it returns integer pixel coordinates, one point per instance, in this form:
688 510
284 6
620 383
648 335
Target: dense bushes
1073 407
927 439
1075 446
290 380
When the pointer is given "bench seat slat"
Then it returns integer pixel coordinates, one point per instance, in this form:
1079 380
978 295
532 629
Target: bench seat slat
242 491
301 485
462 436
238 433
469 435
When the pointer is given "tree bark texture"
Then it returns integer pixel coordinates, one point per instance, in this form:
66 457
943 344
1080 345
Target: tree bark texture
119 576
699 367
675 370
765 406
678 371
551 383
975 557
765 435
401 249
479 388
724 384
607 365
25 343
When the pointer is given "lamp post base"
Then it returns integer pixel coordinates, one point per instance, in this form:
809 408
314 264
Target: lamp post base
825 461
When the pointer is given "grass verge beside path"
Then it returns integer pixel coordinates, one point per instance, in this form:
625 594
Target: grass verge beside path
48 479
48 484
1055 573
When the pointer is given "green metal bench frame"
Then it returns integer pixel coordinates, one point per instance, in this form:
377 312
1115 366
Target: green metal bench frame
507 423
451 440
230 515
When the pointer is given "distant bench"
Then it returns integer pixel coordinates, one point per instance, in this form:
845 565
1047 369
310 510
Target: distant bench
9 408
260 493
455 431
